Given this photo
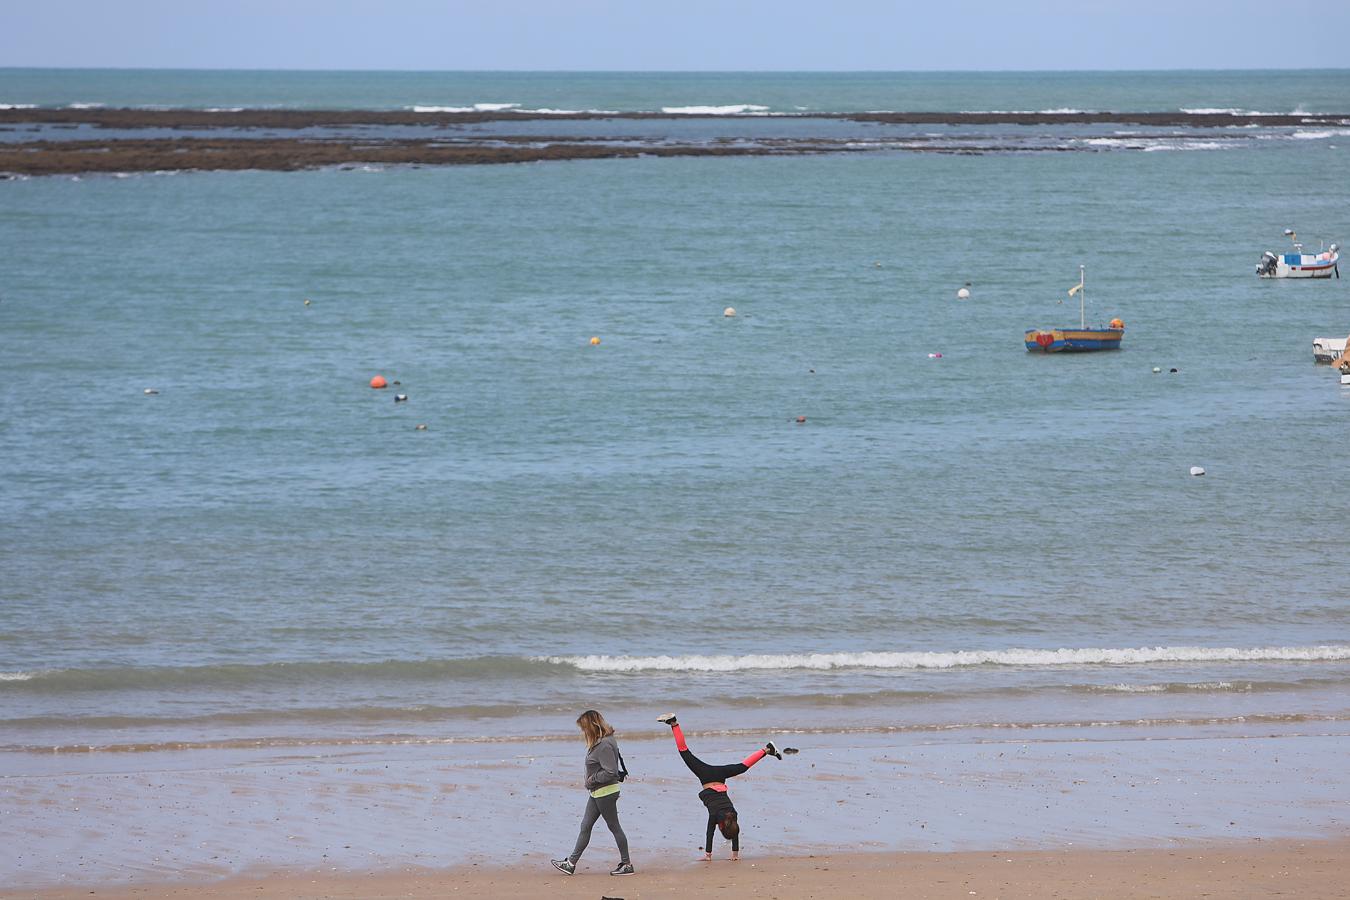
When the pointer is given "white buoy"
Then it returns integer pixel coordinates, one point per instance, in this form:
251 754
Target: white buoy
963 294
1156 370
729 312
1197 470
935 356
151 391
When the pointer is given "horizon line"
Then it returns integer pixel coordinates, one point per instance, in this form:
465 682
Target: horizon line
46 68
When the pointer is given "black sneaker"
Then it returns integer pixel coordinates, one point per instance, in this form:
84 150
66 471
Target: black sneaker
770 749
667 719
622 869
565 866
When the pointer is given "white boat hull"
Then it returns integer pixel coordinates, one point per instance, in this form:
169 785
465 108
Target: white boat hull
1299 265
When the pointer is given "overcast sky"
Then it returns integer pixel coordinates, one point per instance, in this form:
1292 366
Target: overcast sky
715 35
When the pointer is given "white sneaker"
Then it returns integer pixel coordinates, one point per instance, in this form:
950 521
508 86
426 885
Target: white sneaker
667 719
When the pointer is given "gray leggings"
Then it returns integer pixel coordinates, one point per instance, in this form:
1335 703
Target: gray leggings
595 808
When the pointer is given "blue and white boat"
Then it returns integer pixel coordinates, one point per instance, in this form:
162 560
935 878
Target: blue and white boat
1298 264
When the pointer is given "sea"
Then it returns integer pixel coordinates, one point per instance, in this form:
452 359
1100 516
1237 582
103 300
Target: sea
857 505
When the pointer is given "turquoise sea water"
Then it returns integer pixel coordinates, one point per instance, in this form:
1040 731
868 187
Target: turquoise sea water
268 549
782 92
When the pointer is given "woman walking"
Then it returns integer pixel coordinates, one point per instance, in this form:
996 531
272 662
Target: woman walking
604 773
721 813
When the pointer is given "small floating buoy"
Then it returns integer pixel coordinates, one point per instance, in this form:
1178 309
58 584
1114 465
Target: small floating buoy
1156 370
964 293
877 264
307 301
729 312
1173 371
812 371
801 420
421 428
151 391
378 382
399 398
1197 470
935 356
595 341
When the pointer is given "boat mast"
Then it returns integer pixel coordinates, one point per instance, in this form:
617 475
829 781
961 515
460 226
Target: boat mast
1082 301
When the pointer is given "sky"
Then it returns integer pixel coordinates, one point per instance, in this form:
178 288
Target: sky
675 35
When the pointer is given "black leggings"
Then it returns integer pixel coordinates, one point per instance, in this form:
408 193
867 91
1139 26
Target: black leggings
708 774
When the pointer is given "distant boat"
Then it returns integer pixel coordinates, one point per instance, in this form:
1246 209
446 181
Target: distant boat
1299 264
1080 339
1326 350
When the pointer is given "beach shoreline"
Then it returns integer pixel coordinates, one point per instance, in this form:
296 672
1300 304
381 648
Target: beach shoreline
114 821
1306 869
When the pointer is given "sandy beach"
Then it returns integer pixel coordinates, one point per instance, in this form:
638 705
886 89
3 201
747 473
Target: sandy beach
1256 869
871 807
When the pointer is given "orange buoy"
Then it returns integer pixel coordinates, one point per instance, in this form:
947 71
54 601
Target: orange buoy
1117 325
595 341
378 382
801 420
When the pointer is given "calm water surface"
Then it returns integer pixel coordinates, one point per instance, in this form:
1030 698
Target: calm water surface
269 549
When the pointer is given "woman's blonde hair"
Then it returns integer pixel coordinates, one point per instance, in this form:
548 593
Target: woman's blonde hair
594 727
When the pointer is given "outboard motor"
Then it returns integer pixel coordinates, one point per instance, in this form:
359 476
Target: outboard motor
1267 264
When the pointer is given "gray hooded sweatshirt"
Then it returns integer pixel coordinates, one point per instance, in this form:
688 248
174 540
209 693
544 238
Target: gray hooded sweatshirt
602 763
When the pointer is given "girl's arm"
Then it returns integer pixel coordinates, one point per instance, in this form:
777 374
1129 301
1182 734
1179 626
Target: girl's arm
707 843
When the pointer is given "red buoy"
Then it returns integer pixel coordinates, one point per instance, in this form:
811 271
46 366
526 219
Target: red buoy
378 382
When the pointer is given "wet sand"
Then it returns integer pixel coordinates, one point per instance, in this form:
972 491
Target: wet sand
112 821
1318 869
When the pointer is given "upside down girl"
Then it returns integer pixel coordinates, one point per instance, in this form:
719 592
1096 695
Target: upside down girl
721 812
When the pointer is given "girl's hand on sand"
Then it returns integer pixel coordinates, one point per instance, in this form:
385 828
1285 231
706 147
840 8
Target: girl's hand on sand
707 857
735 856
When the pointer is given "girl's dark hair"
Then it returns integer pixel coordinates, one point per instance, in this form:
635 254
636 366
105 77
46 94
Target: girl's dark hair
729 826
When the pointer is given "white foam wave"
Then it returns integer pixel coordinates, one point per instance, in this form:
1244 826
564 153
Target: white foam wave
18 106
477 107
732 110
1188 145
85 105
1163 688
948 660
16 676
1318 135
222 109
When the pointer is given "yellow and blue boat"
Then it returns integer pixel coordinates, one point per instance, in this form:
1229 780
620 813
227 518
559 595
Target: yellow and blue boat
1080 339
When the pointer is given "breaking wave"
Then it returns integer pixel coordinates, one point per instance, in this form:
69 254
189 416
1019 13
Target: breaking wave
949 660
734 109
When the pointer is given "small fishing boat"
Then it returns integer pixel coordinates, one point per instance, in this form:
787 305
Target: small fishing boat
1298 264
1080 339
